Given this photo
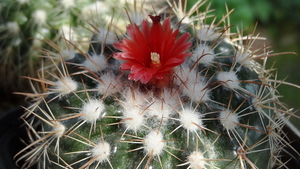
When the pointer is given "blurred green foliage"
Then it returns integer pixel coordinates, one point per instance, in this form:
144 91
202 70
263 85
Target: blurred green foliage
245 11
250 11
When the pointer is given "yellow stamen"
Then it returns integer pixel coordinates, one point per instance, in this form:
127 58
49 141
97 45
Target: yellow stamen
155 60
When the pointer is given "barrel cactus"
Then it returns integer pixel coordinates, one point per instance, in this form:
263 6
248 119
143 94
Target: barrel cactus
170 92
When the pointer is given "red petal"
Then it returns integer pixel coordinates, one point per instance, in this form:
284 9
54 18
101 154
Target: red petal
174 61
181 45
136 68
118 55
146 78
136 76
148 75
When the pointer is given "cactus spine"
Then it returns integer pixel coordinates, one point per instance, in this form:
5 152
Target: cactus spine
171 92
25 26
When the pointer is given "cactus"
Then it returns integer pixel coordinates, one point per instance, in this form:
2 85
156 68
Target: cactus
170 92
25 26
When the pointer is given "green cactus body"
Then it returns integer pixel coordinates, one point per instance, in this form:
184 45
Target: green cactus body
216 109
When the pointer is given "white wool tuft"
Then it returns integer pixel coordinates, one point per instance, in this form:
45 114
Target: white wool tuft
36 44
243 58
94 10
228 119
196 91
68 33
194 85
207 33
159 109
257 104
67 3
67 54
39 16
133 99
164 105
101 152
65 86
95 62
170 97
203 54
185 75
196 161
103 35
133 114
190 120
59 129
229 79
109 86
137 17
133 118
154 143
92 110
12 27
22 2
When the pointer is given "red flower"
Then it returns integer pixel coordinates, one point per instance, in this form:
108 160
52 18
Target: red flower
152 52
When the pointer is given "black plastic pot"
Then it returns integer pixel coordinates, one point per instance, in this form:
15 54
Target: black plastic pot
11 133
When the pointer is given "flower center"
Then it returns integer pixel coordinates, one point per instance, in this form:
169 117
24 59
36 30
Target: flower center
155 60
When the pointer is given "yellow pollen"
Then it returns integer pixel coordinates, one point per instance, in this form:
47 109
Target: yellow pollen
155 59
